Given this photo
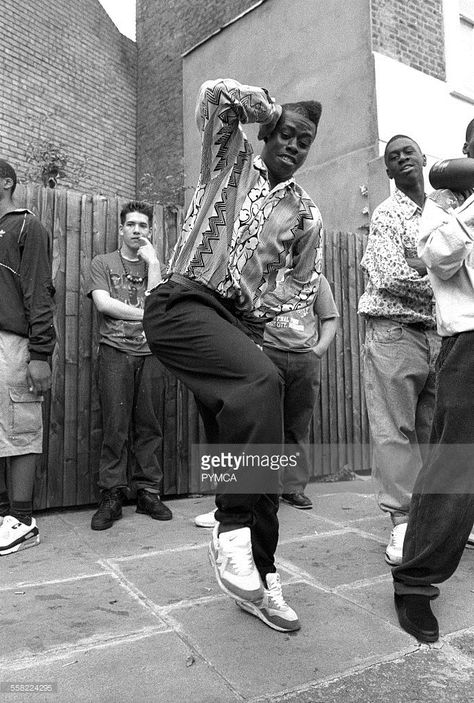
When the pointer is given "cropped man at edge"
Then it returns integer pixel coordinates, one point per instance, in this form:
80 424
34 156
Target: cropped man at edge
247 220
401 343
27 339
442 508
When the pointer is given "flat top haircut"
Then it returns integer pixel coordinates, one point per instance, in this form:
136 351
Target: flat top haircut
136 206
311 109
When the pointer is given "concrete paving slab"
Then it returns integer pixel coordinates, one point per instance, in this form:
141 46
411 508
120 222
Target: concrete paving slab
134 533
343 507
336 560
423 676
453 608
256 660
61 553
154 669
38 618
171 577
380 527
360 485
464 642
297 523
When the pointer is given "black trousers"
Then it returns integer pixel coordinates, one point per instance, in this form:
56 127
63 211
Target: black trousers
203 341
442 507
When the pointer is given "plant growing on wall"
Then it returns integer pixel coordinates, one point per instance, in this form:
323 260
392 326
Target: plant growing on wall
48 161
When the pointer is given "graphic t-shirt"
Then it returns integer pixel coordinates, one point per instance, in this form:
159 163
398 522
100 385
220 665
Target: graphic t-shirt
297 331
110 274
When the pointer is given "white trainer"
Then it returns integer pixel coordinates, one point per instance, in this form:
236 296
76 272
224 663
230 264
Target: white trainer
231 556
15 535
470 541
206 519
273 609
394 551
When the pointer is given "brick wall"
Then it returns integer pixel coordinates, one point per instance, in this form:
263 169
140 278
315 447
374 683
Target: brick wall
165 30
69 76
411 31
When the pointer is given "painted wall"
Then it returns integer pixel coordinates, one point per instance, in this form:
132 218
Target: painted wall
410 102
69 76
298 50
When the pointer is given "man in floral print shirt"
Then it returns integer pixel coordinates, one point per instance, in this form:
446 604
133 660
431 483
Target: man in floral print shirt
401 344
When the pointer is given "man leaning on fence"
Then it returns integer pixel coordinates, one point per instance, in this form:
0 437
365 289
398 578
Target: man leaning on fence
401 343
27 340
131 380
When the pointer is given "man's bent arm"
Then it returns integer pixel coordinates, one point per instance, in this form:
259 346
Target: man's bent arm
221 106
446 237
112 307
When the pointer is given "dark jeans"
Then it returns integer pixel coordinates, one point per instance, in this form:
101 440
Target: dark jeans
301 374
131 391
442 508
208 347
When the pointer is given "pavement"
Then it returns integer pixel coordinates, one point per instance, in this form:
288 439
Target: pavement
134 614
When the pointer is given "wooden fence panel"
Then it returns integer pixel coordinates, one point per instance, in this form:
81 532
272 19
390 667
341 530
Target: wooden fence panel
83 225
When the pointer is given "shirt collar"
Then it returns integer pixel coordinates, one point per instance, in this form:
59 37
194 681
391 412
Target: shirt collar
408 206
259 164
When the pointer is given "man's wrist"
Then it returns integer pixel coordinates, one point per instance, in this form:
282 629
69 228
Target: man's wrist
38 356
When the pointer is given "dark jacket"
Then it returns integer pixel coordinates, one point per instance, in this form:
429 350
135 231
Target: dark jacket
26 288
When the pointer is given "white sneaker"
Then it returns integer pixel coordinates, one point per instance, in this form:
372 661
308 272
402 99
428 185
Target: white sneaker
206 519
231 556
470 541
15 535
394 551
273 610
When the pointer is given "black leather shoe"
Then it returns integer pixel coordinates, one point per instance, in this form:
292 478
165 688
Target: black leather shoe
415 616
297 500
150 504
110 509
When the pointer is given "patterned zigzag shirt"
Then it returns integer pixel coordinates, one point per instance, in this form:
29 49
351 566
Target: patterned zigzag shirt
238 233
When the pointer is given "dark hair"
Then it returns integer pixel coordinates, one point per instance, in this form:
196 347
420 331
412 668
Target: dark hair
469 130
311 109
7 171
136 206
394 138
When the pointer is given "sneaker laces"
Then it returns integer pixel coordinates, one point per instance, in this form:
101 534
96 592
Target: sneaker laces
240 559
108 499
398 536
275 592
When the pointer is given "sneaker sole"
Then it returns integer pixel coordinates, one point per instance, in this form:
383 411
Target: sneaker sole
154 517
258 613
208 525
25 544
106 527
235 596
298 507
392 562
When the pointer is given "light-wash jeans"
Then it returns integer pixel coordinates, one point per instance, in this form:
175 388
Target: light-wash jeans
399 380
